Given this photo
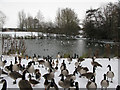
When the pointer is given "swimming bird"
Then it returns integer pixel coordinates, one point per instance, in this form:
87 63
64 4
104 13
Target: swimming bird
104 83
110 74
24 84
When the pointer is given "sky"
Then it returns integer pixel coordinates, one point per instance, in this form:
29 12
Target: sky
48 8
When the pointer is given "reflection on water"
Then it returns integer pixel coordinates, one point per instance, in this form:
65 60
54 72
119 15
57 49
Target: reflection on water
44 47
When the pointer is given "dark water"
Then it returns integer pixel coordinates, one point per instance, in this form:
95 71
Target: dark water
44 47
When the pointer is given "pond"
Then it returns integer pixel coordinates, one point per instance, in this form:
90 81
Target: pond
44 47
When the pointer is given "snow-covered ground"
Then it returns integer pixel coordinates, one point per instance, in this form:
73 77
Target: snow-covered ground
82 81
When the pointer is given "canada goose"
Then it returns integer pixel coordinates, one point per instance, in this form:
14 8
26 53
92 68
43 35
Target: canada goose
41 62
2 72
2 63
37 74
77 64
110 74
69 60
95 63
46 83
65 72
49 76
24 84
104 82
76 86
15 75
81 59
118 87
53 85
33 81
30 68
91 85
89 75
16 60
82 70
71 76
4 87
16 67
9 68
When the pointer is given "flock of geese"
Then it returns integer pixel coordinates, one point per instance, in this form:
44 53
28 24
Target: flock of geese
67 80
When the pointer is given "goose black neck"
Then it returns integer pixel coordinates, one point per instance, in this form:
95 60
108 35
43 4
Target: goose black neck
23 76
62 77
104 76
94 69
109 68
4 85
76 85
94 79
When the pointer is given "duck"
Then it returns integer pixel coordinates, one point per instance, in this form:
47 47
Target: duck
23 83
33 81
4 87
110 74
94 63
91 85
52 84
104 83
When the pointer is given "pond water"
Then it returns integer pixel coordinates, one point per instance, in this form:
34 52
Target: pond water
44 47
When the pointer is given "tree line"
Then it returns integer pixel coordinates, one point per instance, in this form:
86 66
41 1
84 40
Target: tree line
66 22
103 22
100 23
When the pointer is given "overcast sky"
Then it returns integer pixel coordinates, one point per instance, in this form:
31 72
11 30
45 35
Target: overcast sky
48 8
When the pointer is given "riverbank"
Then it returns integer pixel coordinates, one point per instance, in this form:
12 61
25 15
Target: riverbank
82 81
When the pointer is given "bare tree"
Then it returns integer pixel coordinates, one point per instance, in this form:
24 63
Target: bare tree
21 19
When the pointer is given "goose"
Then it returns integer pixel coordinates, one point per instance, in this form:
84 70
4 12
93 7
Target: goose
91 85
89 75
118 87
71 76
2 63
37 74
82 70
95 63
46 83
69 60
24 84
81 59
104 83
65 72
76 86
33 81
110 74
4 87
63 83
30 67
77 64
15 75
53 85
16 67
41 62
49 76
56 67
2 72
